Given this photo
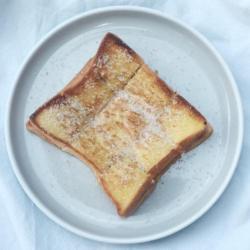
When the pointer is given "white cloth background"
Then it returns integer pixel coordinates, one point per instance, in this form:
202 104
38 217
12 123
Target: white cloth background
225 23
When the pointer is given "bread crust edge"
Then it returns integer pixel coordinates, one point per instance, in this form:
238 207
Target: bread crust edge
160 168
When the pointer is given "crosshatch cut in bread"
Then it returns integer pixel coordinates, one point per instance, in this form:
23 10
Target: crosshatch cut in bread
123 121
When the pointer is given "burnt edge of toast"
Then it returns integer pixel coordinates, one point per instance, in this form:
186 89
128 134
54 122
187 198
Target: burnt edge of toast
161 167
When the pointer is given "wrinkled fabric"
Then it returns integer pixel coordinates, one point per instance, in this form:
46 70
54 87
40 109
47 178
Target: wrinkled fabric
226 24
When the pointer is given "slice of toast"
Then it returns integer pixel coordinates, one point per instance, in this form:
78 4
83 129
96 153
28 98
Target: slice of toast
121 119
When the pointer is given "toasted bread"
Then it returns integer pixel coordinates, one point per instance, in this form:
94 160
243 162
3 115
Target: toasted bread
122 120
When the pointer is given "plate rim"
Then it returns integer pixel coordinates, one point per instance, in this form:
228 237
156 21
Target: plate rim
53 216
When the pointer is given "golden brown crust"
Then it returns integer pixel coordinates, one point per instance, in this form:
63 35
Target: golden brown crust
182 102
159 169
142 193
162 85
163 164
110 40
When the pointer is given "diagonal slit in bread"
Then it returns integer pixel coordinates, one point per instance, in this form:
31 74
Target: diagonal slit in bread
122 120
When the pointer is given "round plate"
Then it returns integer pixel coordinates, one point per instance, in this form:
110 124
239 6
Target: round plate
66 190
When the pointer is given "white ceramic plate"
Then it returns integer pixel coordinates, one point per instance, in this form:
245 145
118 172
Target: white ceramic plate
66 190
